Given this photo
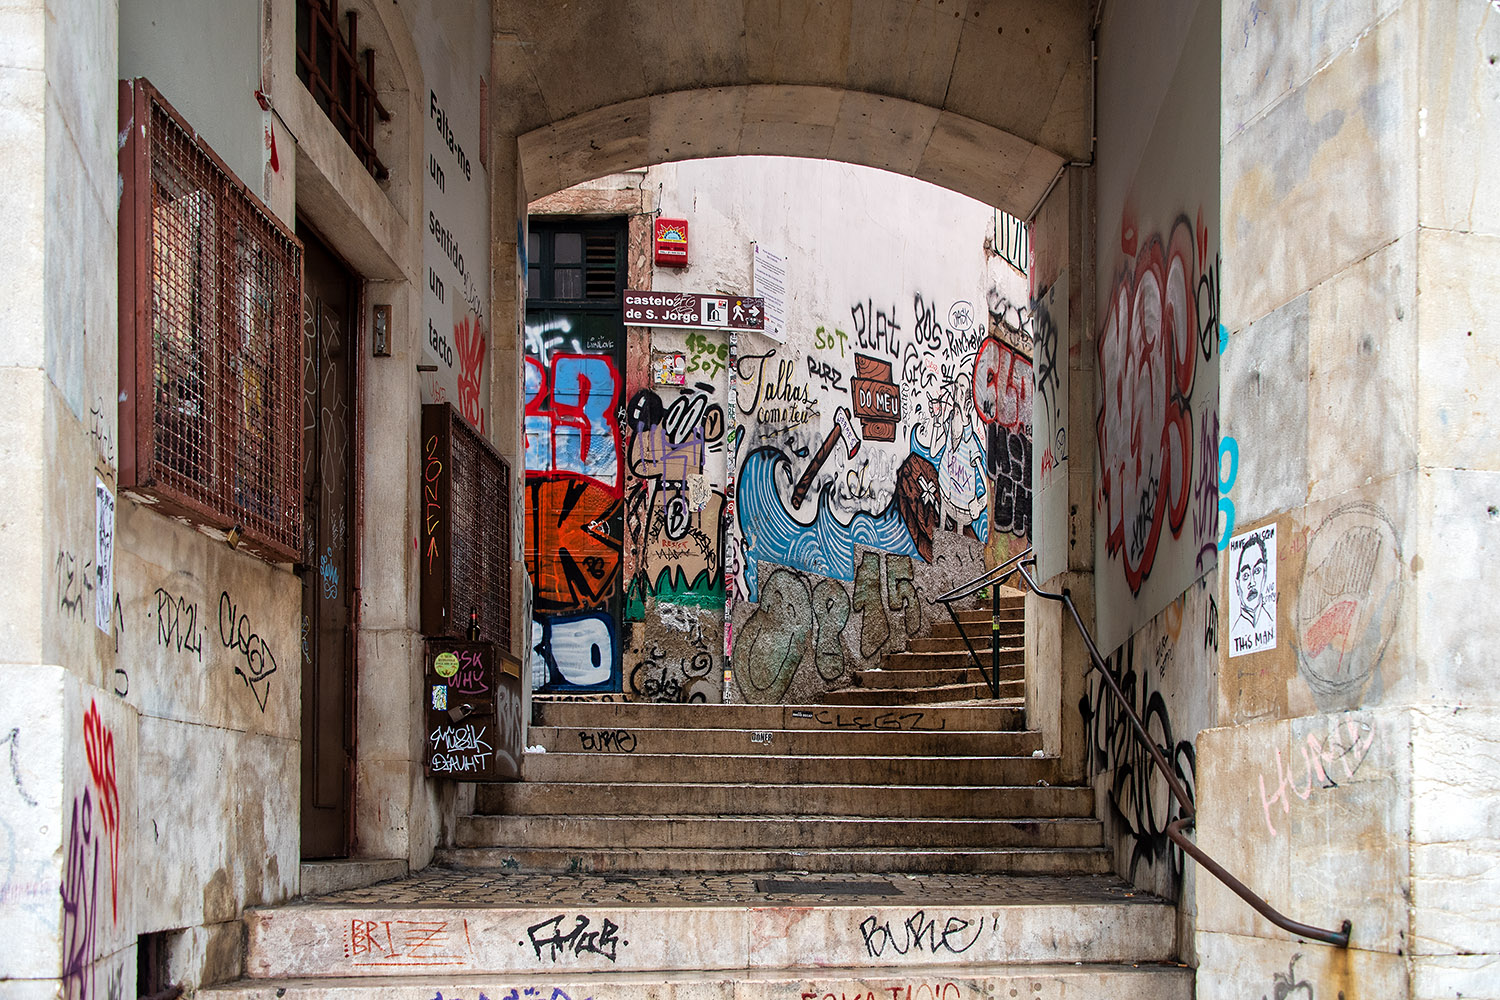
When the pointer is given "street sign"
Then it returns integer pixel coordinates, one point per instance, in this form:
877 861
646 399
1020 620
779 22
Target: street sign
693 311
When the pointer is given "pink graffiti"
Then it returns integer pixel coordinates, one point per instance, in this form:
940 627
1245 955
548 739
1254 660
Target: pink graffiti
99 747
1145 427
1002 386
468 335
1348 747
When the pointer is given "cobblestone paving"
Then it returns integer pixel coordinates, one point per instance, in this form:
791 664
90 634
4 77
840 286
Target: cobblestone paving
448 887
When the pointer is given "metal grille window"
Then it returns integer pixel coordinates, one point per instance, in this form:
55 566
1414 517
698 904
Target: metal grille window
466 536
340 77
210 337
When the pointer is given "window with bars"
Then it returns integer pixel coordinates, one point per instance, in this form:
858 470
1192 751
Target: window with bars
465 542
567 263
340 77
210 337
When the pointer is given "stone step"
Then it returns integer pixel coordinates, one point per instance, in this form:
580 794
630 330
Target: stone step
313 940
681 798
926 660
1010 645
890 743
1013 690
761 833
633 715
896 860
1092 981
789 769
1010 634
978 622
908 677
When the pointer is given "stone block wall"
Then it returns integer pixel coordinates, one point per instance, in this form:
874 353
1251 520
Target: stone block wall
1357 239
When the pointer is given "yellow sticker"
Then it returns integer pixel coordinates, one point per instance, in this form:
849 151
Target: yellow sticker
446 664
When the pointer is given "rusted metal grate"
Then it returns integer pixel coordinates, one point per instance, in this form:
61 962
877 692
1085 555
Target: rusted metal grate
210 338
466 536
340 77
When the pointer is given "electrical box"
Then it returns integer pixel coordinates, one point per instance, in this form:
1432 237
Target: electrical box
472 692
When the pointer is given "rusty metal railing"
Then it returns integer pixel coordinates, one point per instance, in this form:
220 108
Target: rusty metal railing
1339 938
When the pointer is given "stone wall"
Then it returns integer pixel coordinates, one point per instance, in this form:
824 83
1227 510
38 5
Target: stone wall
1356 231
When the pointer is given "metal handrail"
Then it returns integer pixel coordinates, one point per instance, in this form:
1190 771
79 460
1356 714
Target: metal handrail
993 578
981 581
1339 938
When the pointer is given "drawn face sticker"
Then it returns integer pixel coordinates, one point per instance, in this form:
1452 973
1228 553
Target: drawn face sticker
1250 577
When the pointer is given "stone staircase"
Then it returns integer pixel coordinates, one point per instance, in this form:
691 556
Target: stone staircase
734 788
890 851
938 669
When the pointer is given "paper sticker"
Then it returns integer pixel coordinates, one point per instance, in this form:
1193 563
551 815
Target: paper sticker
440 697
104 554
1252 591
446 664
669 369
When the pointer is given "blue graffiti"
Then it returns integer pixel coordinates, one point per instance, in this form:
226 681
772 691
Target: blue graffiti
579 652
825 546
328 570
1227 446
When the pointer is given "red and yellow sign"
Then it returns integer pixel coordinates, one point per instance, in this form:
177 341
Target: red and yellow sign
671 242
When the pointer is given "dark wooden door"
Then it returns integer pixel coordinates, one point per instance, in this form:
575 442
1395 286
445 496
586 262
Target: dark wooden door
329 440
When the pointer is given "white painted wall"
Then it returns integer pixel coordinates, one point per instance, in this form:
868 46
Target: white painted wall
179 44
877 265
453 44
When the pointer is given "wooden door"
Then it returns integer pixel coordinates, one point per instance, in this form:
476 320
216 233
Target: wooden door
329 442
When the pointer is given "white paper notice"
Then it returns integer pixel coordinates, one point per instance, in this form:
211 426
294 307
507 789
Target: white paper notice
768 281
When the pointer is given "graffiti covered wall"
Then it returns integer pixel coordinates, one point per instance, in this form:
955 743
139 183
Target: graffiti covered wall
1157 343
574 479
815 490
1156 349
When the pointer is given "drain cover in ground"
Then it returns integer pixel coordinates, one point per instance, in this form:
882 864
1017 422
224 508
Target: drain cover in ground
774 886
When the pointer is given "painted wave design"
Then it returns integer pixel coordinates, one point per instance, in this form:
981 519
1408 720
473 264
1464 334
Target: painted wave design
825 546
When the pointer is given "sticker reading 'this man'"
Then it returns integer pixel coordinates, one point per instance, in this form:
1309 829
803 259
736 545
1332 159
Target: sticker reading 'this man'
1252 591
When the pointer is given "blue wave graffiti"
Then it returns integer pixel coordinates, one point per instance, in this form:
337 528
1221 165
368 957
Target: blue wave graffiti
825 546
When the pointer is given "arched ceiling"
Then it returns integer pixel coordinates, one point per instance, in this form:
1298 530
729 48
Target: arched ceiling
985 97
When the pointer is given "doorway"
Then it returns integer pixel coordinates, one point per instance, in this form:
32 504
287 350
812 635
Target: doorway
575 343
330 301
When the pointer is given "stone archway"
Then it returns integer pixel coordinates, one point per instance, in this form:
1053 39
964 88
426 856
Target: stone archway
994 104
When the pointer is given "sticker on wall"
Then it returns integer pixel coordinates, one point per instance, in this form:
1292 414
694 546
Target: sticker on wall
669 369
446 664
440 696
1252 591
699 492
104 554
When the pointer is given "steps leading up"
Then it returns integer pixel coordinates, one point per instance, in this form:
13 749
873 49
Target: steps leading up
943 668
615 787
907 841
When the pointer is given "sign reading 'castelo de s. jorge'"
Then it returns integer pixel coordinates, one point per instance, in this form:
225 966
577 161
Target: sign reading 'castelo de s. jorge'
693 311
